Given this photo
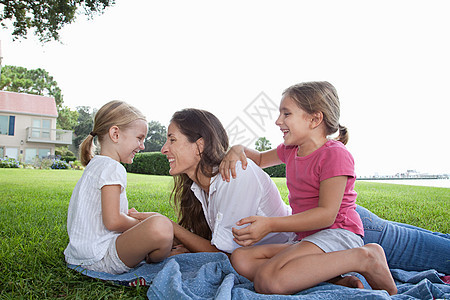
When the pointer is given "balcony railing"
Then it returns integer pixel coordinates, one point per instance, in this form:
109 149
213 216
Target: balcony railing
49 136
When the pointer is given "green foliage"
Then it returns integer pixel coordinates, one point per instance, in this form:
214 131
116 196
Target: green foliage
38 82
276 171
60 165
47 17
85 124
262 144
156 137
43 164
152 163
65 154
9 163
67 118
63 151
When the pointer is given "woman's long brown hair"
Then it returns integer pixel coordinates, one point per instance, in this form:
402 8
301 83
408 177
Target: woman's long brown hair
196 124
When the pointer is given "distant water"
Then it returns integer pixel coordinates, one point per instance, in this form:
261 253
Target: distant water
444 183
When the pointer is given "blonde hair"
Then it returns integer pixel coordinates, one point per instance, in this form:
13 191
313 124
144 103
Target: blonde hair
320 96
114 113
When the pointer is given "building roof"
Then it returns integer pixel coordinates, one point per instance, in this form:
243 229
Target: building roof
27 104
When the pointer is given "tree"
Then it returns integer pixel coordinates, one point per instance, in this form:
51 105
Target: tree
67 119
85 125
38 82
156 137
46 17
262 144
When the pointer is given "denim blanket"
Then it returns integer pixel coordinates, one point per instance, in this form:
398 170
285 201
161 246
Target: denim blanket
211 276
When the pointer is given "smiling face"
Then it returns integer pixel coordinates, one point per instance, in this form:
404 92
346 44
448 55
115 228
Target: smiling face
131 140
183 155
294 122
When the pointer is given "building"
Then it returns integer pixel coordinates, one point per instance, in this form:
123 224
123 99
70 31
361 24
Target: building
28 127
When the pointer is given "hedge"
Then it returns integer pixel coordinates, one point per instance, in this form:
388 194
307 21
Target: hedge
155 163
152 163
276 171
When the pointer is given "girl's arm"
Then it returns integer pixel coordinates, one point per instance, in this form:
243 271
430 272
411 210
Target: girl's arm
191 241
238 152
331 192
113 219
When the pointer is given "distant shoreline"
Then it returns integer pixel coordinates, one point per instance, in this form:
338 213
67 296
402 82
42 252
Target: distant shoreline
430 182
404 178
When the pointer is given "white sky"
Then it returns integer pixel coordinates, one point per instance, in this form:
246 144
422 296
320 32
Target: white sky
389 60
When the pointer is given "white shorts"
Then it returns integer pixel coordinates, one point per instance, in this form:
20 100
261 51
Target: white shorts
110 263
330 240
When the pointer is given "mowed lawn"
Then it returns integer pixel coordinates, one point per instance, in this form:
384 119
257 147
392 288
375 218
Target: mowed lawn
33 208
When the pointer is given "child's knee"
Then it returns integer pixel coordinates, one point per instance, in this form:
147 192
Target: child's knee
236 256
239 261
160 228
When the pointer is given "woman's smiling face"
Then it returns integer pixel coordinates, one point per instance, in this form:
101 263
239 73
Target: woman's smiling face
183 155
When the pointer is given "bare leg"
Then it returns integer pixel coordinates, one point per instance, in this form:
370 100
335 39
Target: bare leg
247 260
304 265
151 240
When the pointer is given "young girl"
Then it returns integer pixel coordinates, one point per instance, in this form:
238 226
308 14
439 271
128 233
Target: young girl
103 237
320 178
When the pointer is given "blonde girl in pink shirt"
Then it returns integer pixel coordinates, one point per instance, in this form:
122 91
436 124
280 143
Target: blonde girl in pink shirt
320 178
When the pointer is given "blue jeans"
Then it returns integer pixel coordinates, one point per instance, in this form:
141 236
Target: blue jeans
407 247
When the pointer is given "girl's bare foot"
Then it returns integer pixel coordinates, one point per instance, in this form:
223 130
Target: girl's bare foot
377 271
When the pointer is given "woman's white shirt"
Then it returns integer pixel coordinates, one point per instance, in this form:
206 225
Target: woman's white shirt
88 237
251 193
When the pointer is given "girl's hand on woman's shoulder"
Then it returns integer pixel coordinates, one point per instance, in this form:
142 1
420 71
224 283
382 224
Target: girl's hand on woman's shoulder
228 164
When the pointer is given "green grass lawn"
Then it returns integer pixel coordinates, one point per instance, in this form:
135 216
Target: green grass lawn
33 207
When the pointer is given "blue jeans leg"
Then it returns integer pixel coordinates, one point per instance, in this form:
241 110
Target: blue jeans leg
407 247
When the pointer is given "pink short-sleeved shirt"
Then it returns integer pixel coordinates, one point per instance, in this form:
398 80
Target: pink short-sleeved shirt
303 177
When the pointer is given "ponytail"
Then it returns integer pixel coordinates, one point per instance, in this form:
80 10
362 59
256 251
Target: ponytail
87 150
343 134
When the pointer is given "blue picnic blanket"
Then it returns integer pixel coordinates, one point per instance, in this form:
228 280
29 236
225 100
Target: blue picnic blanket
211 276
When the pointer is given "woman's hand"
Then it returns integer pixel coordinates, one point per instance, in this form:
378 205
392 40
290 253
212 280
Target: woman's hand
259 227
228 164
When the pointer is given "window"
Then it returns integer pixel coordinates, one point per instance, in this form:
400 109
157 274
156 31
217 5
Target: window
12 152
46 129
44 153
32 153
41 128
4 124
7 125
